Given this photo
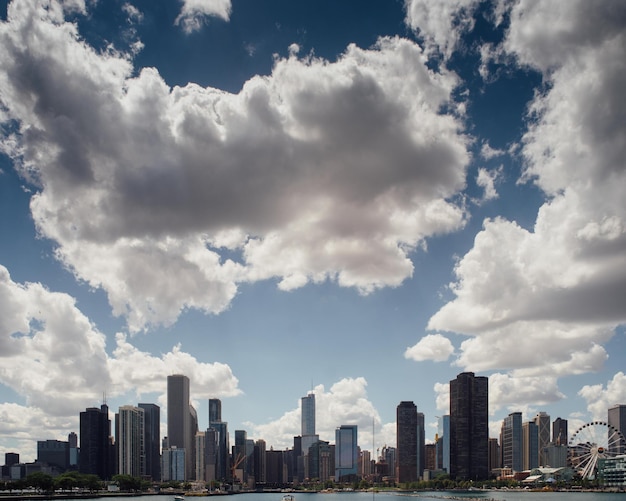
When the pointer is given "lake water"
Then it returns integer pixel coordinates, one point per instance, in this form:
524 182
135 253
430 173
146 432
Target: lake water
510 495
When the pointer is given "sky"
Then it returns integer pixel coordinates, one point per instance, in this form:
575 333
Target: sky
361 199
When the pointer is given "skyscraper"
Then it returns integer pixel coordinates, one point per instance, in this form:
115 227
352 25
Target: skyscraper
469 427
421 445
308 423
130 441
542 420
182 422
617 419
443 444
559 432
96 448
407 442
308 414
530 445
346 453
221 442
152 440
511 441
215 410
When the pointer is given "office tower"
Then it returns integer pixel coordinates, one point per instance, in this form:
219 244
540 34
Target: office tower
389 456
130 441
556 456
617 419
222 466
530 445
559 432
469 427
96 448
152 440
421 445
431 457
494 455
542 420
215 410
173 464
72 440
308 422
200 456
365 464
443 444
511 441
346 453
250 464
181 420
11 458
275 469
54 453
259 461
407 442
210 454
240 456
308 414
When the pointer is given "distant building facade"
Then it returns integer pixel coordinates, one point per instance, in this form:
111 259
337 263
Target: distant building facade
407 442
511 441
469 427
346 453
97 453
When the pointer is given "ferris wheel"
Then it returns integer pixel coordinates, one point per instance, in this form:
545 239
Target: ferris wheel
593 441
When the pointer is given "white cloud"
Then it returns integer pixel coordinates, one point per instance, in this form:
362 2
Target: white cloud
44 335
599 397
323 171
487 179
433 347
193 13
487 152
565 280
442 399
518 393
441 24
345 403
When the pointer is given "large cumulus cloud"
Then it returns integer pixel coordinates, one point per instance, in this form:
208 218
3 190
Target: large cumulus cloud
561 285
56 359
320 170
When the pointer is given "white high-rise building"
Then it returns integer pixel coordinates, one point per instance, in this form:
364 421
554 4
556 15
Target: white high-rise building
130 441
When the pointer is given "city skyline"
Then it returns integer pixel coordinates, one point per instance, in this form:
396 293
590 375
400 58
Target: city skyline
356 199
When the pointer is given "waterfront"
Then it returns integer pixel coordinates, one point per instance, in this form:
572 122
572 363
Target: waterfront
492 495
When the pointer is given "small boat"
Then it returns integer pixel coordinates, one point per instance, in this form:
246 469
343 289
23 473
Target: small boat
288 497
179 497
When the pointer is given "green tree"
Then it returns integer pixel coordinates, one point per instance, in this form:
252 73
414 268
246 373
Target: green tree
40 481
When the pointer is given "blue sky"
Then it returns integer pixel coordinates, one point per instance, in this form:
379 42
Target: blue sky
357 198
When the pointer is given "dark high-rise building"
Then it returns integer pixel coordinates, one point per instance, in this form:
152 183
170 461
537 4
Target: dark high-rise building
617 419
511 441
274 468
54 453
182 422
469 427
11 458
215 411
152 440
240 455
421 445
494 454
97 454
407 442
559 432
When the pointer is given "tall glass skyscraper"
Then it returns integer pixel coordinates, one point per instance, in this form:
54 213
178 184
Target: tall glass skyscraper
407 442
152 439
308 415
469 427
542 420
346 453
559 432
617 419
96 448
511 441
308 423
182 422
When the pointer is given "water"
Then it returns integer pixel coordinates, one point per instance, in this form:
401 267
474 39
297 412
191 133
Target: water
511 495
